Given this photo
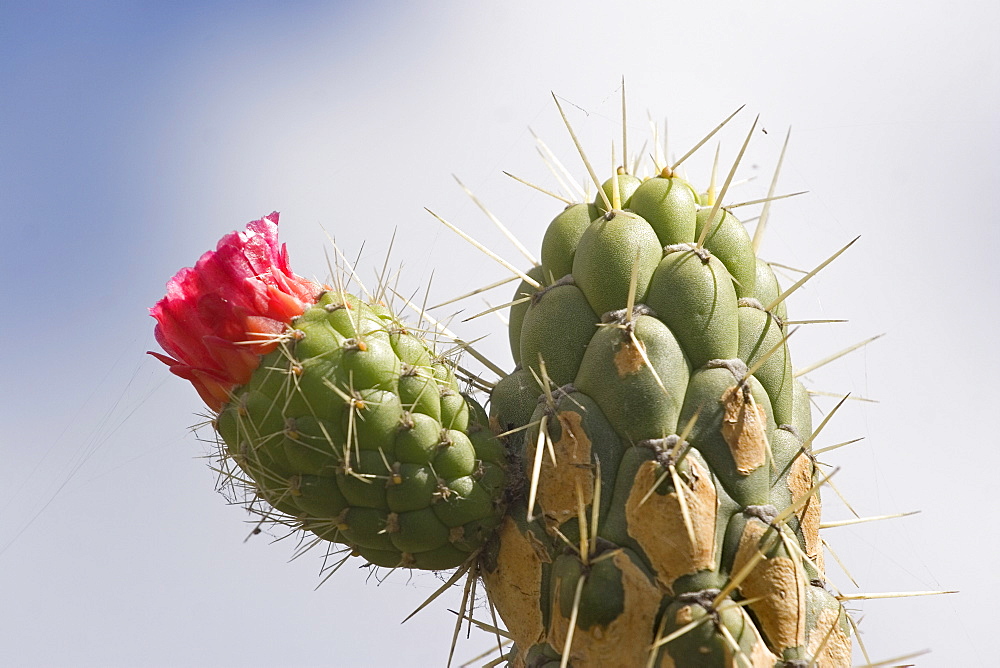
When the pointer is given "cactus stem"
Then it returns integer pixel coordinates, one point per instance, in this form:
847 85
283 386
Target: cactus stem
596 503
758 233
561 536
792 547
682 502
818 652
564 661
769 538
682 447
652 488
734 646
517 429
766 356
542 379
632 284
804 499
458 342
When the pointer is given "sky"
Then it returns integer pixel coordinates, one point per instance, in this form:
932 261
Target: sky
135 134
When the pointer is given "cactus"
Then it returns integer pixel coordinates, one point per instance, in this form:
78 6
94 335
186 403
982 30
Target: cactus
347 424
643 490
670 497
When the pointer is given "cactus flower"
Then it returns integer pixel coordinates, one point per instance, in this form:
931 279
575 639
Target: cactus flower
219 317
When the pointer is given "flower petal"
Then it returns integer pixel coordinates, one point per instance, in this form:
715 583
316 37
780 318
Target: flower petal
243 291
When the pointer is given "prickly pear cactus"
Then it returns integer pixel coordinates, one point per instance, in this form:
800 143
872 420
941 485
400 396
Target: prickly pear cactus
340 420
668 512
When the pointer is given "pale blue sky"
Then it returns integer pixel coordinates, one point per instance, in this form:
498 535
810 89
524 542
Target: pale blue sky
134 134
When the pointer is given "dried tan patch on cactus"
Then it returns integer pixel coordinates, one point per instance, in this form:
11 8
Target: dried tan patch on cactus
515 586
658 524
560 485
800 481
744 426
779 583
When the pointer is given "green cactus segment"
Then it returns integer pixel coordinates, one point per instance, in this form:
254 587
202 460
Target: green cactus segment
615 246
513 400
561 239
521 302
728 240
761 345
637 373
357 432
664 449
692 293
768 289
627 185
555 331
669 206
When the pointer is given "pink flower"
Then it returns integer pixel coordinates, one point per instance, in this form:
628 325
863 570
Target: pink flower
220 316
